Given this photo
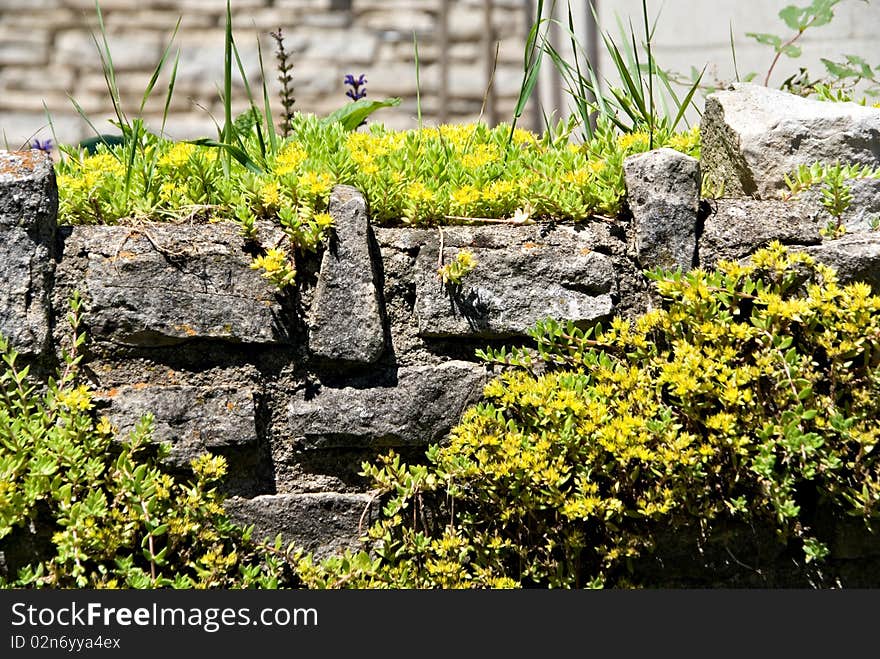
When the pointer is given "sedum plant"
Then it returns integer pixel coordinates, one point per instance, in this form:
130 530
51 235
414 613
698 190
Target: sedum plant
418 177
116 518
750 395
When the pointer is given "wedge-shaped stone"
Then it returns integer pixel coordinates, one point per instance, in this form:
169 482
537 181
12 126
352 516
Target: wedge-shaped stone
521 276
345 323
752 136
157 285
414 406
663 192
193 419
28 211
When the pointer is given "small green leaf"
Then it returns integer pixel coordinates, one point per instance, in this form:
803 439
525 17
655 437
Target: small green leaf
766 39
352 115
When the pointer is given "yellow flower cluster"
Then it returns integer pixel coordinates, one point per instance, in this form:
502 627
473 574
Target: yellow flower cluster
289 158
276 267
178 155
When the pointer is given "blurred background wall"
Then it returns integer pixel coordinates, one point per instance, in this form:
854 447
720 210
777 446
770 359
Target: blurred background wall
47 54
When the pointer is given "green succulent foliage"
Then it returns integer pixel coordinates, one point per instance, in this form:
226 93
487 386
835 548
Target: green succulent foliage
751 386
116 518
423 176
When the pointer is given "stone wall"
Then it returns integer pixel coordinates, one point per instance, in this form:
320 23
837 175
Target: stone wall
47 52
370 351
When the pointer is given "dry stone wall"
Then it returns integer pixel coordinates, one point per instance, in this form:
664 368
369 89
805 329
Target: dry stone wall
370 351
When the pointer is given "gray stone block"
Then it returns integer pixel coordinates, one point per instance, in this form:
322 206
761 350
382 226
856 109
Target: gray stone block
323 524
856 257
28 211
194 420
155 285
752 136
419 408
737 227
663 193
345 322
521 277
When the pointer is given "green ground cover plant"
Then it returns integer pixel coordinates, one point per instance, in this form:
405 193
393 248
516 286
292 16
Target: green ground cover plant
750 393
753 393
97 507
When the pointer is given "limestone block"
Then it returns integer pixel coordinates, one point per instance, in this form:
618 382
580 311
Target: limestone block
346 321
752 136
663 192
521 277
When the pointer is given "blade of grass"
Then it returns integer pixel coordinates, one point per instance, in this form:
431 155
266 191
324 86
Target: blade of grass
98 133
232 150
582 98
532 58
108 68
228 127
687 101
253 106
159 66
733 52
267 107
418 81
649 33
51 126
171 83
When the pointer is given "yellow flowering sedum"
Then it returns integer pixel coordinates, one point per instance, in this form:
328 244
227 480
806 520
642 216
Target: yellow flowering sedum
752 393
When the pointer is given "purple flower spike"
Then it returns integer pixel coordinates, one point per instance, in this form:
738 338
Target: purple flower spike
358 89
42 145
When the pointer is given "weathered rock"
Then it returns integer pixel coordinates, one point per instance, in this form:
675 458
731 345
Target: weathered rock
417 408
856 257
752 136
737 227
193 419
663 193
28 211
345 323
324 524
521 276
154 285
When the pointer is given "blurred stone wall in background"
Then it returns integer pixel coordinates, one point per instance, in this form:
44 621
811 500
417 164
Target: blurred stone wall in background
47 51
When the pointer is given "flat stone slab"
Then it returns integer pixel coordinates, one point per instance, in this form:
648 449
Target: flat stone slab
752 136
417 408
345 322
28 212
159 285
737 227
193 419
323 524
521 276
